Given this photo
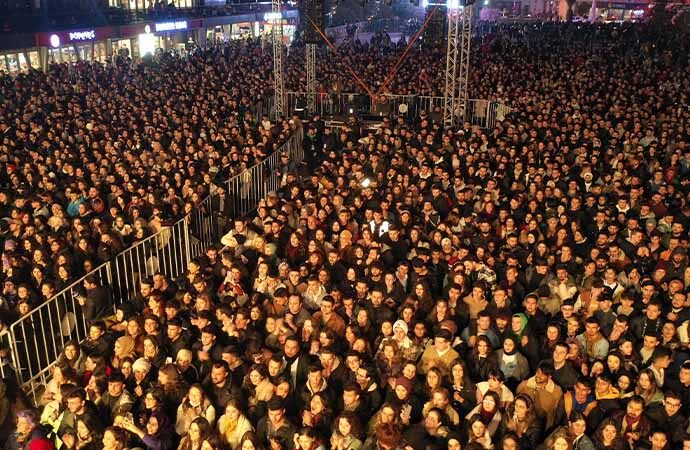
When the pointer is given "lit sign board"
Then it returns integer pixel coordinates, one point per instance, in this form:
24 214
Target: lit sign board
172 26
61 38
82 35
272 16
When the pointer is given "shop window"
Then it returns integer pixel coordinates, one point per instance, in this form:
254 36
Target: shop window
85 52
68 55
35 59
23 63
54 55
3 65
184 3
99 52
12 63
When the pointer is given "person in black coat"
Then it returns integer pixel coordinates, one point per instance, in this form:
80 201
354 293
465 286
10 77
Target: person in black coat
98 302
667 417
431 434
98 342
275 426
296 362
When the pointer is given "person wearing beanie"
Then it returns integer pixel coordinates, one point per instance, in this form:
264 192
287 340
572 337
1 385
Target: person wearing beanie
407 349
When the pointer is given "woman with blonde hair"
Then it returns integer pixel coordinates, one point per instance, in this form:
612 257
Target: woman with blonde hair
233 425
114 439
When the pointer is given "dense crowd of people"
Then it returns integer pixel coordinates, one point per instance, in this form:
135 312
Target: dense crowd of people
409 287
95 158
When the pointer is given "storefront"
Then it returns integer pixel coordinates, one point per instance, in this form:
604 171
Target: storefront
147 5
243 26
39 50
76 45
144 39
621 11
225 33
15 61
265 28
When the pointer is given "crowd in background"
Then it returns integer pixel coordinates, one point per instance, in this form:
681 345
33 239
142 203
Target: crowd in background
95 158
409 287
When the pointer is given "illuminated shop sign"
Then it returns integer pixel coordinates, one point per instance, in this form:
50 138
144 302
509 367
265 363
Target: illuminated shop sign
88 35
75 37
172 26
272 16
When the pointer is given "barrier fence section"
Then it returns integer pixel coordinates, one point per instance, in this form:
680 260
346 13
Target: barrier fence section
30 347
482 113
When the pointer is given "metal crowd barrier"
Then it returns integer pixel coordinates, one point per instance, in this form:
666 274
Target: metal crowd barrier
481 113
38 338
256 182
30 347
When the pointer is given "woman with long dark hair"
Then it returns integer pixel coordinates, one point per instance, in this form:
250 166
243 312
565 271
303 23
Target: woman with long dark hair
157 433
608 437
461 387
482 359
346 433
198 430
521 419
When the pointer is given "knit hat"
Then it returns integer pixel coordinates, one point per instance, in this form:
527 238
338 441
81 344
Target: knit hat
404 382
401 324
141 365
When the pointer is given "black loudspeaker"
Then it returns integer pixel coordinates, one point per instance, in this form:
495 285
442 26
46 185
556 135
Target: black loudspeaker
314 10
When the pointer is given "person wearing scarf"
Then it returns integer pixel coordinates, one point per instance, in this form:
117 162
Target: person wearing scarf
233 424
489 412
631 423
512 363
124 347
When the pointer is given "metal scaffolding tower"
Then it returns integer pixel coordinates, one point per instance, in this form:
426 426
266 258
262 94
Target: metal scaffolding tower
451 68
277 34
464 66
457 70
311 77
